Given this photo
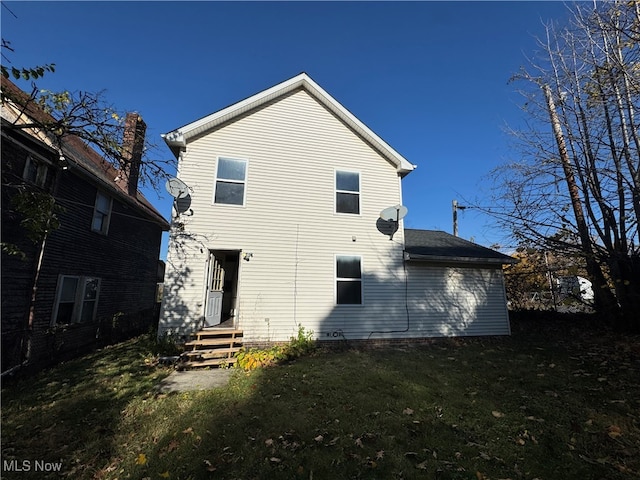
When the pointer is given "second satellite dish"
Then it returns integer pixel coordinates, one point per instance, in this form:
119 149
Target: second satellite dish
394 213
177 188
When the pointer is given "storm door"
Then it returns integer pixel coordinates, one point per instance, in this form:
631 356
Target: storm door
215 291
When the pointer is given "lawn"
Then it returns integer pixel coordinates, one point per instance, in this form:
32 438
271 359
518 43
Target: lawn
557 400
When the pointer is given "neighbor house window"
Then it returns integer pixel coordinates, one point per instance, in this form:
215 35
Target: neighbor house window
347 192
231 179
76 300
348 280
35 171
101 213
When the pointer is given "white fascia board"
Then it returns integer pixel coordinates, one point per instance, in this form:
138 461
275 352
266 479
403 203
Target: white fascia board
179 137
413 257
321 95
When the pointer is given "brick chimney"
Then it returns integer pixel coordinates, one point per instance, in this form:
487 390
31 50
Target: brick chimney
132 148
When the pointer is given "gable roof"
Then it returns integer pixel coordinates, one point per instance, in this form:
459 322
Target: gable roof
438 246
178 139
80 156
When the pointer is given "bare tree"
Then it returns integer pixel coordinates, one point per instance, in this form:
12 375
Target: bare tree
84 115
576 187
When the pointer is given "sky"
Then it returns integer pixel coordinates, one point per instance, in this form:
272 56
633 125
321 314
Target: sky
430 78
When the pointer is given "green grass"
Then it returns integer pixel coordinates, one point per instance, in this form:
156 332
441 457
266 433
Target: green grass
551 402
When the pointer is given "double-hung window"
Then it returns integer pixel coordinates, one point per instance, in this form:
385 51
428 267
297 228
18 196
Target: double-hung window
35 171
101 213
231 180
76 300
348 280
347 192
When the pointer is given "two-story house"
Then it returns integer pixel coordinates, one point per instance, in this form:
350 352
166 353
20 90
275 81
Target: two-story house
93 277
279 225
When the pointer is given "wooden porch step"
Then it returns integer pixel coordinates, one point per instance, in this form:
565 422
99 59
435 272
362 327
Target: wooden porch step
218 332
213 362
213 342
215 353
212 347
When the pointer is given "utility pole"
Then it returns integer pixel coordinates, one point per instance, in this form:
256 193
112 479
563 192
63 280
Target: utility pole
456 207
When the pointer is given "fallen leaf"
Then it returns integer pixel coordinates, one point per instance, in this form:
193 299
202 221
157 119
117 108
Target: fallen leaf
497 414
268 442
165 474
142 459
188 430
407 411
210 467
422 465
359 442
319 438
275 459
380 454
173 444
614 431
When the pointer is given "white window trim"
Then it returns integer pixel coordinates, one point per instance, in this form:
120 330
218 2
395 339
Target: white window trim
336 278
336 191
42 171
244 182
107 223
78 302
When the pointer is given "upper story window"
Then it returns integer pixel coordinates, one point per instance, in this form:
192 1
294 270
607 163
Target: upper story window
231 179
76 300
347 192
35 171
101 213
348 280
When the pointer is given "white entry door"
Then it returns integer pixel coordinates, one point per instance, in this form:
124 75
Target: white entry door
215 292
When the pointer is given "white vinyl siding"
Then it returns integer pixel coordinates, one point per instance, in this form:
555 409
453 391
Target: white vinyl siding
290 226
295 145
455 300
231 181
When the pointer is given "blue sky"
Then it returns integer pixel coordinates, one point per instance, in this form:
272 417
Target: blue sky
430 78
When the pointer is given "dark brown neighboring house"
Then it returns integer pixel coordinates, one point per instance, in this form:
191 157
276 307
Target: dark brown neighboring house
92 280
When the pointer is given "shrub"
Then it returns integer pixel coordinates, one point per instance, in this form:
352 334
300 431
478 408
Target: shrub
164 345
301 344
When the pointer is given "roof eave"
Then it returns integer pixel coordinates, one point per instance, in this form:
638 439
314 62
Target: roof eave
178 139
456 259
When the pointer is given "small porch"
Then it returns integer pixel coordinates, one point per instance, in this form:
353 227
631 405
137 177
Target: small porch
212 347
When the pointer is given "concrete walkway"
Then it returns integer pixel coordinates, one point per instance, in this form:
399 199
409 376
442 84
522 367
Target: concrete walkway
182 381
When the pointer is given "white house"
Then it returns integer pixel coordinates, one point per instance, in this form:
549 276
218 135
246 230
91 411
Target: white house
277 224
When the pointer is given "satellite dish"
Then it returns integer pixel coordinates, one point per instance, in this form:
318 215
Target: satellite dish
177 188
394 213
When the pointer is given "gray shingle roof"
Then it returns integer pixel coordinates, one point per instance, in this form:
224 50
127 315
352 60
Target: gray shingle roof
438 246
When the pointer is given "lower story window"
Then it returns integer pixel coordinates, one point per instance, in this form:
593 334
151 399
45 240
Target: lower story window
76 300
348 280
